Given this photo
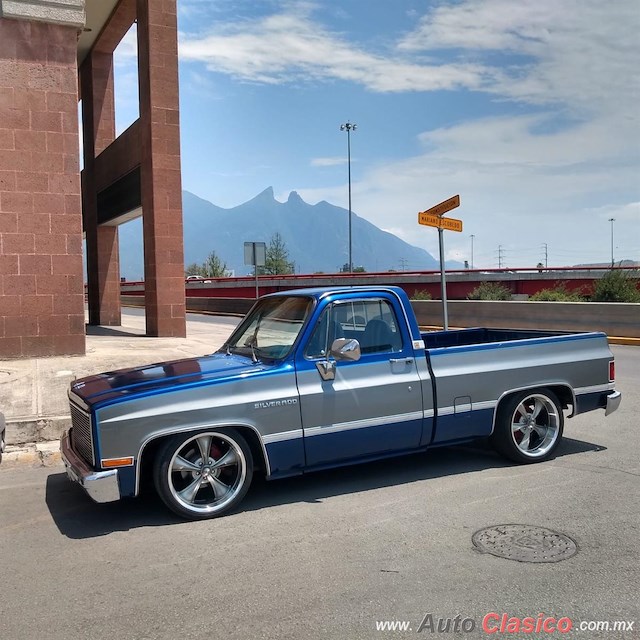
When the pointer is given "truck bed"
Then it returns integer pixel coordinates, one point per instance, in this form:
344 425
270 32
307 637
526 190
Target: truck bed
481 335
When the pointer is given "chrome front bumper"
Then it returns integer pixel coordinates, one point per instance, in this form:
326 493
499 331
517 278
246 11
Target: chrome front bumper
613 402
101 486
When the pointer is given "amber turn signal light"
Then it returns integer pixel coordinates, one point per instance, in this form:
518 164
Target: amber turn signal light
110 463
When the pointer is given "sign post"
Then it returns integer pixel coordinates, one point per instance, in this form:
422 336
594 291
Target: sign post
255 253
434 218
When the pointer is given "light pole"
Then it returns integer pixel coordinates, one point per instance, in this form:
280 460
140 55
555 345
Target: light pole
472 237
349 127
612 220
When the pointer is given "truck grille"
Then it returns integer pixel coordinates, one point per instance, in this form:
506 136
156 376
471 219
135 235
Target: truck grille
81 436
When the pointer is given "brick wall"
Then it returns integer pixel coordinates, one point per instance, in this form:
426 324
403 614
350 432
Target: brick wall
41 281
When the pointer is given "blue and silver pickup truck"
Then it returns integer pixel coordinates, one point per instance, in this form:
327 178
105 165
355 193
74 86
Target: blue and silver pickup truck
319 378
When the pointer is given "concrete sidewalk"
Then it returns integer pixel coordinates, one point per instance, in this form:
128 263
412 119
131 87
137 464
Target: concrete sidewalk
33 391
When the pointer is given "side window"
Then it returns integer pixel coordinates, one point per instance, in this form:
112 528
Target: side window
327 329
381 333
371 322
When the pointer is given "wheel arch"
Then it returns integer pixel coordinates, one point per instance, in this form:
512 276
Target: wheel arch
562 390
150 446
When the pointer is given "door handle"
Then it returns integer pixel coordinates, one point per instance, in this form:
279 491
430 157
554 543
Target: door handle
407 360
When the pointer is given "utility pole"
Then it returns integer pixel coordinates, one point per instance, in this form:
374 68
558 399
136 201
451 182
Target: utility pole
546 255
403 263
500 253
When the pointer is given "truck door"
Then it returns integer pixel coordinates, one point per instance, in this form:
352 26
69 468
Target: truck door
373 405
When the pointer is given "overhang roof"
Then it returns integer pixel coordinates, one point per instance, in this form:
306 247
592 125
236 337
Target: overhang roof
97 12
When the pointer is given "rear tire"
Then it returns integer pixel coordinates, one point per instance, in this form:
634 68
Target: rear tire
203 475
529 426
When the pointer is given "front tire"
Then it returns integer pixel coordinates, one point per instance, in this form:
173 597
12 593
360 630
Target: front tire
203 475
529 426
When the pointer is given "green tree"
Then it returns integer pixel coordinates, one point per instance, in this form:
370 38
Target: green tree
616 286
490 291
212 267
559 293
193 269
277 258
345 269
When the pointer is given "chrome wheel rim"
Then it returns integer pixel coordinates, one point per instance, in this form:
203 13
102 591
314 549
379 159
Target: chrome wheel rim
535 425
207 472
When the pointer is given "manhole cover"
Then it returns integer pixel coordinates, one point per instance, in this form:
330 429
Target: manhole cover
525 543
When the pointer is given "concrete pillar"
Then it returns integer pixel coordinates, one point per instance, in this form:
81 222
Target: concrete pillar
160 168
98 121
41 282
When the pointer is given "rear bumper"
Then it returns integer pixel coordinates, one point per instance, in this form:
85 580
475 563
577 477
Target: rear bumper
613 402
101 486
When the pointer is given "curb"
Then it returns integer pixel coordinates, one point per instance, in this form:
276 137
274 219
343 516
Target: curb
631 342
42 454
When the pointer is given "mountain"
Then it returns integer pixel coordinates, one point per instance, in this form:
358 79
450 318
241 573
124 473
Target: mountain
316 236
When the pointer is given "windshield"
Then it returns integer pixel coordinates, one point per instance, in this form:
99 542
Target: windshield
271 328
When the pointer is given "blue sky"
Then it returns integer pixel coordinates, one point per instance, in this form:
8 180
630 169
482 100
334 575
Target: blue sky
528 110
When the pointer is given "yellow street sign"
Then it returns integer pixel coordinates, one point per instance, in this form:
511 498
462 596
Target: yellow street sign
452 224
430 220
443 207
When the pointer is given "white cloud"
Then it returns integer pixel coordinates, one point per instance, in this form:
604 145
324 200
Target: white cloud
581 53
127 49
290 47
328 162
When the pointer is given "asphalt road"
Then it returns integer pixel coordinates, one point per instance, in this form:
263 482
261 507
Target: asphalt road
328 555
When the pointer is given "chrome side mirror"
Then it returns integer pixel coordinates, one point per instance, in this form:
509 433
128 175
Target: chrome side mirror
345 349
342 349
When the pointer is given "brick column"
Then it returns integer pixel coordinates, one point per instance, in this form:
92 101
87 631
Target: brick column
41 283
98 121
160 168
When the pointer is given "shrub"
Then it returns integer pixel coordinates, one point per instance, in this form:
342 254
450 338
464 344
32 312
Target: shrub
490 291
421 294
616 286
559 293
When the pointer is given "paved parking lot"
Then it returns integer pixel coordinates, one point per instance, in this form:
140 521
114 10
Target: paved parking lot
332 554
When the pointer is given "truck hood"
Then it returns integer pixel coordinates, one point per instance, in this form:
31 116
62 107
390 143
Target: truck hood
135 381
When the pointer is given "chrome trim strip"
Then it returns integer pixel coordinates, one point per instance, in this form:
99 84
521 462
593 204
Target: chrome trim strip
363 424
487 404
76 399
101 486
464 408
610 386
282 436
